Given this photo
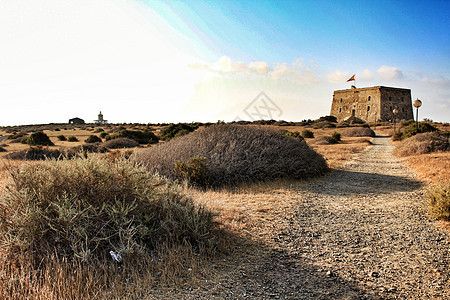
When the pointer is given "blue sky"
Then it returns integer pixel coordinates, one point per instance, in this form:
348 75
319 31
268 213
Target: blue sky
174 61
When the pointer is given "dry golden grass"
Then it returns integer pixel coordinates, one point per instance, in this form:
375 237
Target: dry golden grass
432 166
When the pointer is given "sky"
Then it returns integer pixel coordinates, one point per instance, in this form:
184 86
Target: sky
184 61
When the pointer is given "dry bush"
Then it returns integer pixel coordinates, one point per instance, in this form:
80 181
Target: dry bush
236 154
80 209
36 153
438 196
3 149
423 143
358 131
121 143
324 140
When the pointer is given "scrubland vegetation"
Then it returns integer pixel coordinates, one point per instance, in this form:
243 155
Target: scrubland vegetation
59 218
426 148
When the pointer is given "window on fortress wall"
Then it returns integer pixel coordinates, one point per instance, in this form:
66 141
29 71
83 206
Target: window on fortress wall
368 99
340 109
368 108
390 99
403 109
341 100
402 99
390 107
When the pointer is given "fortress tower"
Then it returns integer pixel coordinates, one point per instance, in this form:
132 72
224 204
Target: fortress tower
372 104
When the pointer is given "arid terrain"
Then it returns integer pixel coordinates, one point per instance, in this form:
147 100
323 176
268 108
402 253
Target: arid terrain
360 232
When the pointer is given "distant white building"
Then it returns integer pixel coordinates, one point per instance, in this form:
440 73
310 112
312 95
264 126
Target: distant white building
100 119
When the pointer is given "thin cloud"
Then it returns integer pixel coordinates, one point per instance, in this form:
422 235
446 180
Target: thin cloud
389 73
338 76
297 72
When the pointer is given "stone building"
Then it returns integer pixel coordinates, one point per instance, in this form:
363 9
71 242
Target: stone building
372 104
76 121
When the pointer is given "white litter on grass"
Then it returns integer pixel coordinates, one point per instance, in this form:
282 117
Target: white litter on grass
117 257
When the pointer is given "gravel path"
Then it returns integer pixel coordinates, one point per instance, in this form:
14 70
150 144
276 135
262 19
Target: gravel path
358 233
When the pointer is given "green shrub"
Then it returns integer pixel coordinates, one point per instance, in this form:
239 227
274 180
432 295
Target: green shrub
327 118
235 154
103 135
39 138
3 149
80 209
294 134
142 137
307 134
72 139
336 135
194 171
397 136
62 138
93 139
438 196
175 130
411 129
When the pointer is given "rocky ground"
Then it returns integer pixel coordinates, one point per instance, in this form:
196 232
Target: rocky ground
360 232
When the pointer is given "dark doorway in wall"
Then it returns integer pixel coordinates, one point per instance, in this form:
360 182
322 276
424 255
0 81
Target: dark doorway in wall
353 112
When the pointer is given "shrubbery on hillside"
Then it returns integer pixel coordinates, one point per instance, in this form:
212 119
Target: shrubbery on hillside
142 137
39 138
234 154
176 130
81 209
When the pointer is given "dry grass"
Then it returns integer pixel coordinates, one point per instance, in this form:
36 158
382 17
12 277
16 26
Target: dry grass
432 167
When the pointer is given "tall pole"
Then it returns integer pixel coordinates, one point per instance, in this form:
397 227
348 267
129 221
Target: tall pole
417 119
417 103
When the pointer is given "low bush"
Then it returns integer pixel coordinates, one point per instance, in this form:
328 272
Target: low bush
194 171
81 209
235 154
93 139
438 196
358 132
295 134
325 140
72 139
327 119
176 130
35 153
39 138
411 128
103 135
3 149
62 138
88 148
142 137
423 143
324 124
307 134
336 135
121 143
98 130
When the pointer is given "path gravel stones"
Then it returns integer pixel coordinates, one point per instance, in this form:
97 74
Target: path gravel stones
359 233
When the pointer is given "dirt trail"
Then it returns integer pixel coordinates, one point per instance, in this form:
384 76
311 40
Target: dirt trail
358 233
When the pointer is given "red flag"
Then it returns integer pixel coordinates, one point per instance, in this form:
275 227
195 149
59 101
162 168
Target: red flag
352 78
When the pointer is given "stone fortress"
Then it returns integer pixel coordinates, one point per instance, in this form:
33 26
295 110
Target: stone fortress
372 104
